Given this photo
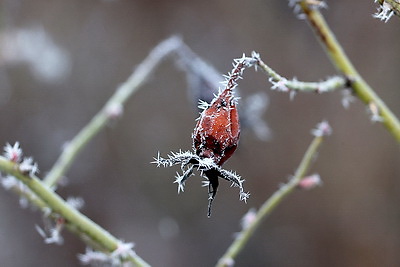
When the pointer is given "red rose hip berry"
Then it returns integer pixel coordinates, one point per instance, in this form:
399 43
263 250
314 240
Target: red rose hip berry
217 131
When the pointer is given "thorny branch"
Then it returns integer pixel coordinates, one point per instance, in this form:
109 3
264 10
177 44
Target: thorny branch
340 60
253 219
42 195
284 85
87 228
112 109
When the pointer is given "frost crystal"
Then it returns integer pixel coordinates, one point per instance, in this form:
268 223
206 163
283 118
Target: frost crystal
313 4
347 98
123 250
203 105
279 85
190 162
384 12
95 257
76 202
13 153
9 182
322 129
52 232
116 258
27 166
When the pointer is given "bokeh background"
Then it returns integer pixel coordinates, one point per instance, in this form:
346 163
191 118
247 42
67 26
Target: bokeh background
61 60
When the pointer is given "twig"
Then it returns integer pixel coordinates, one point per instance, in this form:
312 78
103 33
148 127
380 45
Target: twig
340 60
282 84
243 237
57 205
111 109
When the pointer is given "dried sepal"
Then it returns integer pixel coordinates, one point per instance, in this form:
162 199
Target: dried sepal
207 168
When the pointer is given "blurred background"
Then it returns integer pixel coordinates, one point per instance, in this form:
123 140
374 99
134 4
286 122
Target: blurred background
61 60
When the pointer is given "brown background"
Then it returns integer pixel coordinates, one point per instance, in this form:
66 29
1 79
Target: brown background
353 220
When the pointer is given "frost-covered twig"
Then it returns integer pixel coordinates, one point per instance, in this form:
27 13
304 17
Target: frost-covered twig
52 204
113 108
283 84
253 219
340 60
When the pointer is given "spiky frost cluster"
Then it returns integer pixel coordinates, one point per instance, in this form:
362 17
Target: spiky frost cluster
314 4
26 165
116 258
347 98
51 233
203 79
239 64
189 162
10 182
230 82
322 129
52 229
282 84
384 12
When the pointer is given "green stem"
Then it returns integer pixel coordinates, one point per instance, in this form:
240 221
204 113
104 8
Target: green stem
243 237
100 120
344 65
73 217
